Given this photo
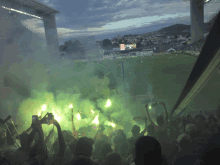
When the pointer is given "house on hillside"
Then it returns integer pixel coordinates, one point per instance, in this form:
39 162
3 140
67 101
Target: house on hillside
181 38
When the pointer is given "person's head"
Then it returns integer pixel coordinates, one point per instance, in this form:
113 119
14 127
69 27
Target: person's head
121 132
200 123
82 160
135 130
176 122
99 144
106 148
200 118
191 129
147 149
113 159
84 147
118 139
189 117
150 129
212 120
160 120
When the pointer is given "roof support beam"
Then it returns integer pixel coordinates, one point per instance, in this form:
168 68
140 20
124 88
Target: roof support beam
207 63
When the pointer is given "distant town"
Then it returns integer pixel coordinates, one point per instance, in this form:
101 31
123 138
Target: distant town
159 41
175 38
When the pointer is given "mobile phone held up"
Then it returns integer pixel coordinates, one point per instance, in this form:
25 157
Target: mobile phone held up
34 119
50 118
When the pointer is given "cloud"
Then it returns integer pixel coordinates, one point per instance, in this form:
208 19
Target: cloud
49 3
102 17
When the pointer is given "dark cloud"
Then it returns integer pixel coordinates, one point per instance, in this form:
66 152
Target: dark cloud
84 14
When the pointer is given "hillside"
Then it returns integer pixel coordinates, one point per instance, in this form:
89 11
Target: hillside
178 29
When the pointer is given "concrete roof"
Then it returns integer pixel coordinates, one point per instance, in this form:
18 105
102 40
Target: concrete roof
36 6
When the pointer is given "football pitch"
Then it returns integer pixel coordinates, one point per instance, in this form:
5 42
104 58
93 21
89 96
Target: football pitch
164 75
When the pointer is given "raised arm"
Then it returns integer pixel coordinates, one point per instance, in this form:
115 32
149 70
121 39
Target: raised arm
145 129
166 113
62 142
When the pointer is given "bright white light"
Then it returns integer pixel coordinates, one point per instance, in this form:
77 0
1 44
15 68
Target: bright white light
108 104
96 120
150 107
44 107
92 111
20 12
56 117
78 116
70 106
112 124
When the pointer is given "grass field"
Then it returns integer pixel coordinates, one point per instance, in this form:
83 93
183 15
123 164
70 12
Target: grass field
166 74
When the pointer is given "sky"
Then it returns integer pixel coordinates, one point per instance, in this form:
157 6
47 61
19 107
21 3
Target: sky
108 18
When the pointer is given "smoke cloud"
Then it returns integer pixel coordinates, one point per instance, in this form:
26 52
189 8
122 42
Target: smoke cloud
31 78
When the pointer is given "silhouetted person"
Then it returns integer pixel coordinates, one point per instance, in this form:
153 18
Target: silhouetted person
162 121
83 149
148 149
185 154
121 145
97 152
106 148
136 134
113 159
81 160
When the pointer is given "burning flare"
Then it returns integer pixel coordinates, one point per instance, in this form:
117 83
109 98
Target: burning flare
44 107
108 104
78 116
56 117
96 120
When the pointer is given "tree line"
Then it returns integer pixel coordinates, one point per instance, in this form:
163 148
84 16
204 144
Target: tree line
76 48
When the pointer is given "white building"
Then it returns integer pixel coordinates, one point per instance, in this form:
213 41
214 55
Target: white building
145 52
181 38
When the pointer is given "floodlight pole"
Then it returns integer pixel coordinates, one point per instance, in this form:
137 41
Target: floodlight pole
122 66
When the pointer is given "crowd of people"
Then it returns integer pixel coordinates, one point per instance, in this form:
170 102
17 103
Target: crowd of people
181 140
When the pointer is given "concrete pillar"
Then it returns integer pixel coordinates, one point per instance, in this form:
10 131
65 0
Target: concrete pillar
51 33
197 20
